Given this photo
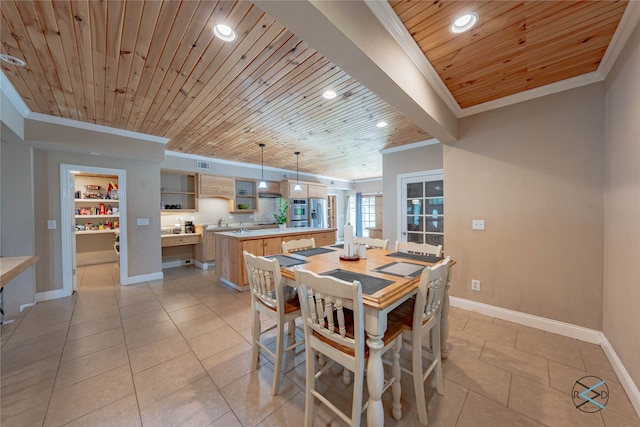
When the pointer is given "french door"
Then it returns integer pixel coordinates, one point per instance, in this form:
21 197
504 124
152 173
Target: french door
421 214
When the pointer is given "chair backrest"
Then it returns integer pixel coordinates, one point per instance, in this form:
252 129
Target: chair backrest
264 280
418 248
324 301
371 242
298 245
430 293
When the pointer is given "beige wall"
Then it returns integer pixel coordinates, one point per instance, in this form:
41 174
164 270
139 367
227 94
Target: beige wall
143 201
621 323
533 172
393 164
17 222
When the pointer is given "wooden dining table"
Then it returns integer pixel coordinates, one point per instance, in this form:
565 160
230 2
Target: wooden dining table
389 280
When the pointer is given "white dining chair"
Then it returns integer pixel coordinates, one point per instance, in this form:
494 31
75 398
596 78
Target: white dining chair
419 248
420 317
298 245
371 242
332 313
278 302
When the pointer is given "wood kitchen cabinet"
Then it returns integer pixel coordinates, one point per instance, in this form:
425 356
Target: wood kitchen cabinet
217 186
206 250
317 191
178 189
289 193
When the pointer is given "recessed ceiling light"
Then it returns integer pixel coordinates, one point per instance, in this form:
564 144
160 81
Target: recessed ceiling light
329 94
12 60
381 124
95 153
463 23
224 32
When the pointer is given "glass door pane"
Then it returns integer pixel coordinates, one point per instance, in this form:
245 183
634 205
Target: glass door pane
423 207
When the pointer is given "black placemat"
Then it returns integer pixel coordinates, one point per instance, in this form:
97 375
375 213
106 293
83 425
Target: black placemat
370 284
287 261
313 251
416 257
389 269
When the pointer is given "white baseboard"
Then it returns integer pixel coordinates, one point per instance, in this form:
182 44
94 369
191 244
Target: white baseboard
560 328
178 263
23 306
144 278
48 295
204 265
623 375
549 325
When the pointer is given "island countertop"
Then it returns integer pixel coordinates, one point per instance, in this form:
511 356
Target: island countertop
273 232
230 244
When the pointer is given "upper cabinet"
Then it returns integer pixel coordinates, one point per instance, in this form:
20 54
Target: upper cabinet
246 199
317 191
178 190
273 190
308 190
217 186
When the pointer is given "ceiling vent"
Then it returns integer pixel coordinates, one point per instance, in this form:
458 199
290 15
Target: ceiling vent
202 165
284 175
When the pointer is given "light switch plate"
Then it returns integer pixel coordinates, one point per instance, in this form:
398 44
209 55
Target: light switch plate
51 224
142 221
477 224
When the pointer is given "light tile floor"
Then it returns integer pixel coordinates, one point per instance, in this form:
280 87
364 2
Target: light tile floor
176 352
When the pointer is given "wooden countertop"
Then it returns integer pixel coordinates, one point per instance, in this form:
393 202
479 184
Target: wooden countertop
12 266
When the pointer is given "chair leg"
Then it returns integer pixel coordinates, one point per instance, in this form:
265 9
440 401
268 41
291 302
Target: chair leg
277 366
255 334
346 376
396 389
435 332
356 406
418 384
309 401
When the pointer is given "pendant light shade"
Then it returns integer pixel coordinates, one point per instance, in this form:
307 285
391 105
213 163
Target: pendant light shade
297 186
263 184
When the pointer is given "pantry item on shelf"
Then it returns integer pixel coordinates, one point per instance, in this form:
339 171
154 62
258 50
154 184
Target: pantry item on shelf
92 187
103 209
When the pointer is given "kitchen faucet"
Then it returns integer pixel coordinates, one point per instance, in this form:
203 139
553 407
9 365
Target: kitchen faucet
220 221
242 227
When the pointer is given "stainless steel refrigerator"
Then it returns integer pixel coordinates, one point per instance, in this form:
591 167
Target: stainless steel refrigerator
318 213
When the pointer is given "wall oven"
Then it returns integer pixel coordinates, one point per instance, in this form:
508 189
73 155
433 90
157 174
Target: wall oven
299 223
299 210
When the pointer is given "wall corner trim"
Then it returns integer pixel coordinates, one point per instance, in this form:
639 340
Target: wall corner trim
623 375
131 280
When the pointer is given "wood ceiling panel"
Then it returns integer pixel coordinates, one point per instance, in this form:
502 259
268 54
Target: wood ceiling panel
556 40
155 67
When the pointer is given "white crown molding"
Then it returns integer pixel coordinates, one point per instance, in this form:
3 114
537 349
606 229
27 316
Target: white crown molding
388 18
359 181
247 165
11 93
94 127
411 146
571 83
628 23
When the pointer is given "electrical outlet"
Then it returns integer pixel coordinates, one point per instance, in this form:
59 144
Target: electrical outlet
475 285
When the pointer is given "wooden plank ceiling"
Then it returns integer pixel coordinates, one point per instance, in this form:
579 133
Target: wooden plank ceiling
516 45
155 67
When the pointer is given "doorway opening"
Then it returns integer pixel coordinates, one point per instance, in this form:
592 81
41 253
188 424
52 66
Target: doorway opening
93 200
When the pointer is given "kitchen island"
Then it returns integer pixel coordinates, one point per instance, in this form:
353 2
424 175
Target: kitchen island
229 247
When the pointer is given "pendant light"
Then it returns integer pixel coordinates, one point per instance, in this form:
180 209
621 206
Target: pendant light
297 186
263 184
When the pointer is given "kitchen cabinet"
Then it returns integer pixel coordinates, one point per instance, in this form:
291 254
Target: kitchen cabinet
217 186
180 240
206 250
317 191
230 245
289 193
273 189
245 194
178 191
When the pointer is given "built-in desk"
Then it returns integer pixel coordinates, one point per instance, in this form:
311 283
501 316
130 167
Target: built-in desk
179 249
